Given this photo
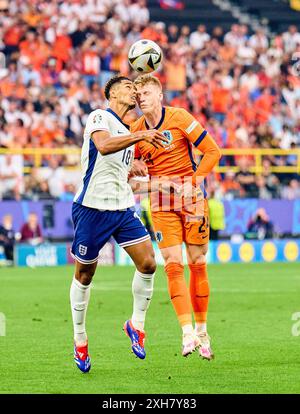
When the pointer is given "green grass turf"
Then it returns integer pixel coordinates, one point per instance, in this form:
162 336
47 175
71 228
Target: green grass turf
250 322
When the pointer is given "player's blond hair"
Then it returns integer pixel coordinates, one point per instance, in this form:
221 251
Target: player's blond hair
143 80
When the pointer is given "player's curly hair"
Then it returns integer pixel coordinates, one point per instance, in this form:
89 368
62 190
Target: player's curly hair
143 80
113 81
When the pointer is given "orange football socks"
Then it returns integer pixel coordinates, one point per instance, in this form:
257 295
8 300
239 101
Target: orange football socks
179 293
199 291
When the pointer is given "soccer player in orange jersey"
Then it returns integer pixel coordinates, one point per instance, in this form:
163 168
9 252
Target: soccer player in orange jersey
184 216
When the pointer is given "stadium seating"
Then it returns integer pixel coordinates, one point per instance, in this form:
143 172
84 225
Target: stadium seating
45 95
194 13
278 13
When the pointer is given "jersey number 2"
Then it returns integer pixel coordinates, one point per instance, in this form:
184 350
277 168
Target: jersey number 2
203 224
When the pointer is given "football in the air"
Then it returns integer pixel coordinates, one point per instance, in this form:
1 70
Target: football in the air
144 56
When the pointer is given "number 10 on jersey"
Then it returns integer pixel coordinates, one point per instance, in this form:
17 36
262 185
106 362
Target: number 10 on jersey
127 156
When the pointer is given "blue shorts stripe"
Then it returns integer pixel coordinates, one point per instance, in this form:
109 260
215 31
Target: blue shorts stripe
82 260
136 241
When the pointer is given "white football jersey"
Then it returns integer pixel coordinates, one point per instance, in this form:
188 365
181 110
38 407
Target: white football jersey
105 177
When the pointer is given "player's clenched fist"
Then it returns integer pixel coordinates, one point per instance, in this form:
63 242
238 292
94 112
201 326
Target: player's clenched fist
154 137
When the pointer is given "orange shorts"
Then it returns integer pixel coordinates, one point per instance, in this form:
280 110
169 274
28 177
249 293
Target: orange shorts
175 227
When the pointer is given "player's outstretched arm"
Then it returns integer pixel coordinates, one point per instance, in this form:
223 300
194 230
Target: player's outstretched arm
107 144
211 156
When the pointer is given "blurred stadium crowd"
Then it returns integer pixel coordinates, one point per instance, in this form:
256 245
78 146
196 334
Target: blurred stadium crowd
56 56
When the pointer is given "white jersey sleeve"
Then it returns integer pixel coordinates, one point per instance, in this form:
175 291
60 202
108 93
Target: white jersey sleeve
97 121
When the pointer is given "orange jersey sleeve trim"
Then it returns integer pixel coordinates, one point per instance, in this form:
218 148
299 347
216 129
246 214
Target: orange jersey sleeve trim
189 126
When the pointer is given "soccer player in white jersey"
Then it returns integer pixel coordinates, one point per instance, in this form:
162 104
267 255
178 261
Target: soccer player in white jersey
104 207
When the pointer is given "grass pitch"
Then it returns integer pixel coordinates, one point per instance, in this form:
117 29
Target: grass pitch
250 322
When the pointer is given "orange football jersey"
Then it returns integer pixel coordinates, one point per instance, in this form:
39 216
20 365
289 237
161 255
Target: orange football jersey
176 158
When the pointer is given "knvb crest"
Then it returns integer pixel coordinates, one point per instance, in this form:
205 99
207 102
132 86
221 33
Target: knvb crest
169 137
82 250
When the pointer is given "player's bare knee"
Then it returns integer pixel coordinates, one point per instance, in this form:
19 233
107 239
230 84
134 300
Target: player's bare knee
148 265
201 259
85 278
173 259
85 273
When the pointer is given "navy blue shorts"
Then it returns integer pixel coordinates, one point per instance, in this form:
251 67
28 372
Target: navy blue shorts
93 228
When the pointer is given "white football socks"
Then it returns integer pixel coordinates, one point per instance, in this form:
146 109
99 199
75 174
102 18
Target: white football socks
187 329
142 290
200 327
79 296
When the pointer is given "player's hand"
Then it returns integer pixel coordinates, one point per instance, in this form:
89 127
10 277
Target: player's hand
154 137
139 169
192 197
187 190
